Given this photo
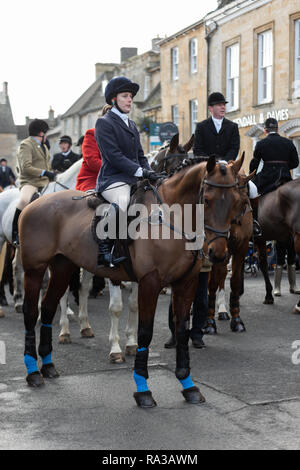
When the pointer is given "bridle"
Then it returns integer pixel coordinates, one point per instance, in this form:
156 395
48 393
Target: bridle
219 233
166 158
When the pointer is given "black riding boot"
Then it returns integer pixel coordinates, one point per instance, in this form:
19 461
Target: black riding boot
15 232
257 232
105 255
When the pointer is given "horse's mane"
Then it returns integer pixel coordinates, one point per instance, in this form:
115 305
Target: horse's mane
185 164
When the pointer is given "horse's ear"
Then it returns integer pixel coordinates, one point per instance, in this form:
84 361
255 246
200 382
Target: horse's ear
211 164
174 143
246 179
237 164
187 147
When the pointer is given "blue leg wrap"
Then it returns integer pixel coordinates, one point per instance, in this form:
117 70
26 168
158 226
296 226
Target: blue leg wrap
187 383
141 383
31 364
47 360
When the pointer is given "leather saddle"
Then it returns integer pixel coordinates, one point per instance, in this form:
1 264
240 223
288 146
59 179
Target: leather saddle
119 247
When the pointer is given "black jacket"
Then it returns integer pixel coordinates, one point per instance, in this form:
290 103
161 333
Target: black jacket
6 177
279 156
226 144
61 163
120 149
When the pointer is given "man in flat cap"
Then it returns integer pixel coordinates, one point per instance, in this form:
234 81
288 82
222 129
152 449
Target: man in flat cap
66 158
217 135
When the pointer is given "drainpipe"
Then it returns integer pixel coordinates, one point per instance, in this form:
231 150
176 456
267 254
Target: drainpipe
209 31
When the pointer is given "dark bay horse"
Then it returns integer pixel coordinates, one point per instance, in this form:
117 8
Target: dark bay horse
170 156
238 244
279 218
55 231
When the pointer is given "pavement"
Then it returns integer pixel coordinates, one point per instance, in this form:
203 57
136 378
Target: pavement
249 380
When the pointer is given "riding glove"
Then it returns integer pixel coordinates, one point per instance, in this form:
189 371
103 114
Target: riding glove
151 175
49 174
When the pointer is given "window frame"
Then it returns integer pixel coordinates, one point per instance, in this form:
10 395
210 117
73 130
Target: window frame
175 116
175 64
292 66
257 32
193 122
193 43
225 46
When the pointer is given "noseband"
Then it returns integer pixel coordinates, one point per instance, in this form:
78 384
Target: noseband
219 233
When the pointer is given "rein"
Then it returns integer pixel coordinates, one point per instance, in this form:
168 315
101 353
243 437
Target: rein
219 233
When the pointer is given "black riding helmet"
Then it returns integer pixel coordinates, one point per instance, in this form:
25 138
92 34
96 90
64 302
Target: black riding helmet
36 126
120 85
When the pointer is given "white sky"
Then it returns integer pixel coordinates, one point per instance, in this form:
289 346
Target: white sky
48 51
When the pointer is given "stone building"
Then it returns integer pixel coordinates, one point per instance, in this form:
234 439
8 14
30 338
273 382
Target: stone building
8 131
254 59
53 123
183 78
144 69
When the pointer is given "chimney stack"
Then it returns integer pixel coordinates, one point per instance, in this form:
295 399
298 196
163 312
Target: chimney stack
5 92
127 53
51 114
155 46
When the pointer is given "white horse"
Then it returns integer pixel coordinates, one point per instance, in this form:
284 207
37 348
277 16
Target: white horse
8 203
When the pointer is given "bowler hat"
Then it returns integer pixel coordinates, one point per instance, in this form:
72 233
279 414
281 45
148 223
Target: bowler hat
216 98
65 138
119 85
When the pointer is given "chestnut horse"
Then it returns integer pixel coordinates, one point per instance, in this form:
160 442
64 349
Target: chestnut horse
55 231
238 245
241 231
279 218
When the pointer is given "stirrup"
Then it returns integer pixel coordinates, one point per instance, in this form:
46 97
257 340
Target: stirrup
257 232
15 242
106 258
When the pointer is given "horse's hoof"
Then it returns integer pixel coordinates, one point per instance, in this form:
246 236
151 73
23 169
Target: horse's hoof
210 328
65 339
144 400
193 396
87 333
2 314
223 316
3 302
116 358
19 308
130 350
35 380
237 326
296 310
269 301
48 371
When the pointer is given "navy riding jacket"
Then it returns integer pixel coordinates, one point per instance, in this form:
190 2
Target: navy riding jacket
121 151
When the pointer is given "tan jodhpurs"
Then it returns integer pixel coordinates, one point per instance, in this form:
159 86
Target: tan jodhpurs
26 193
